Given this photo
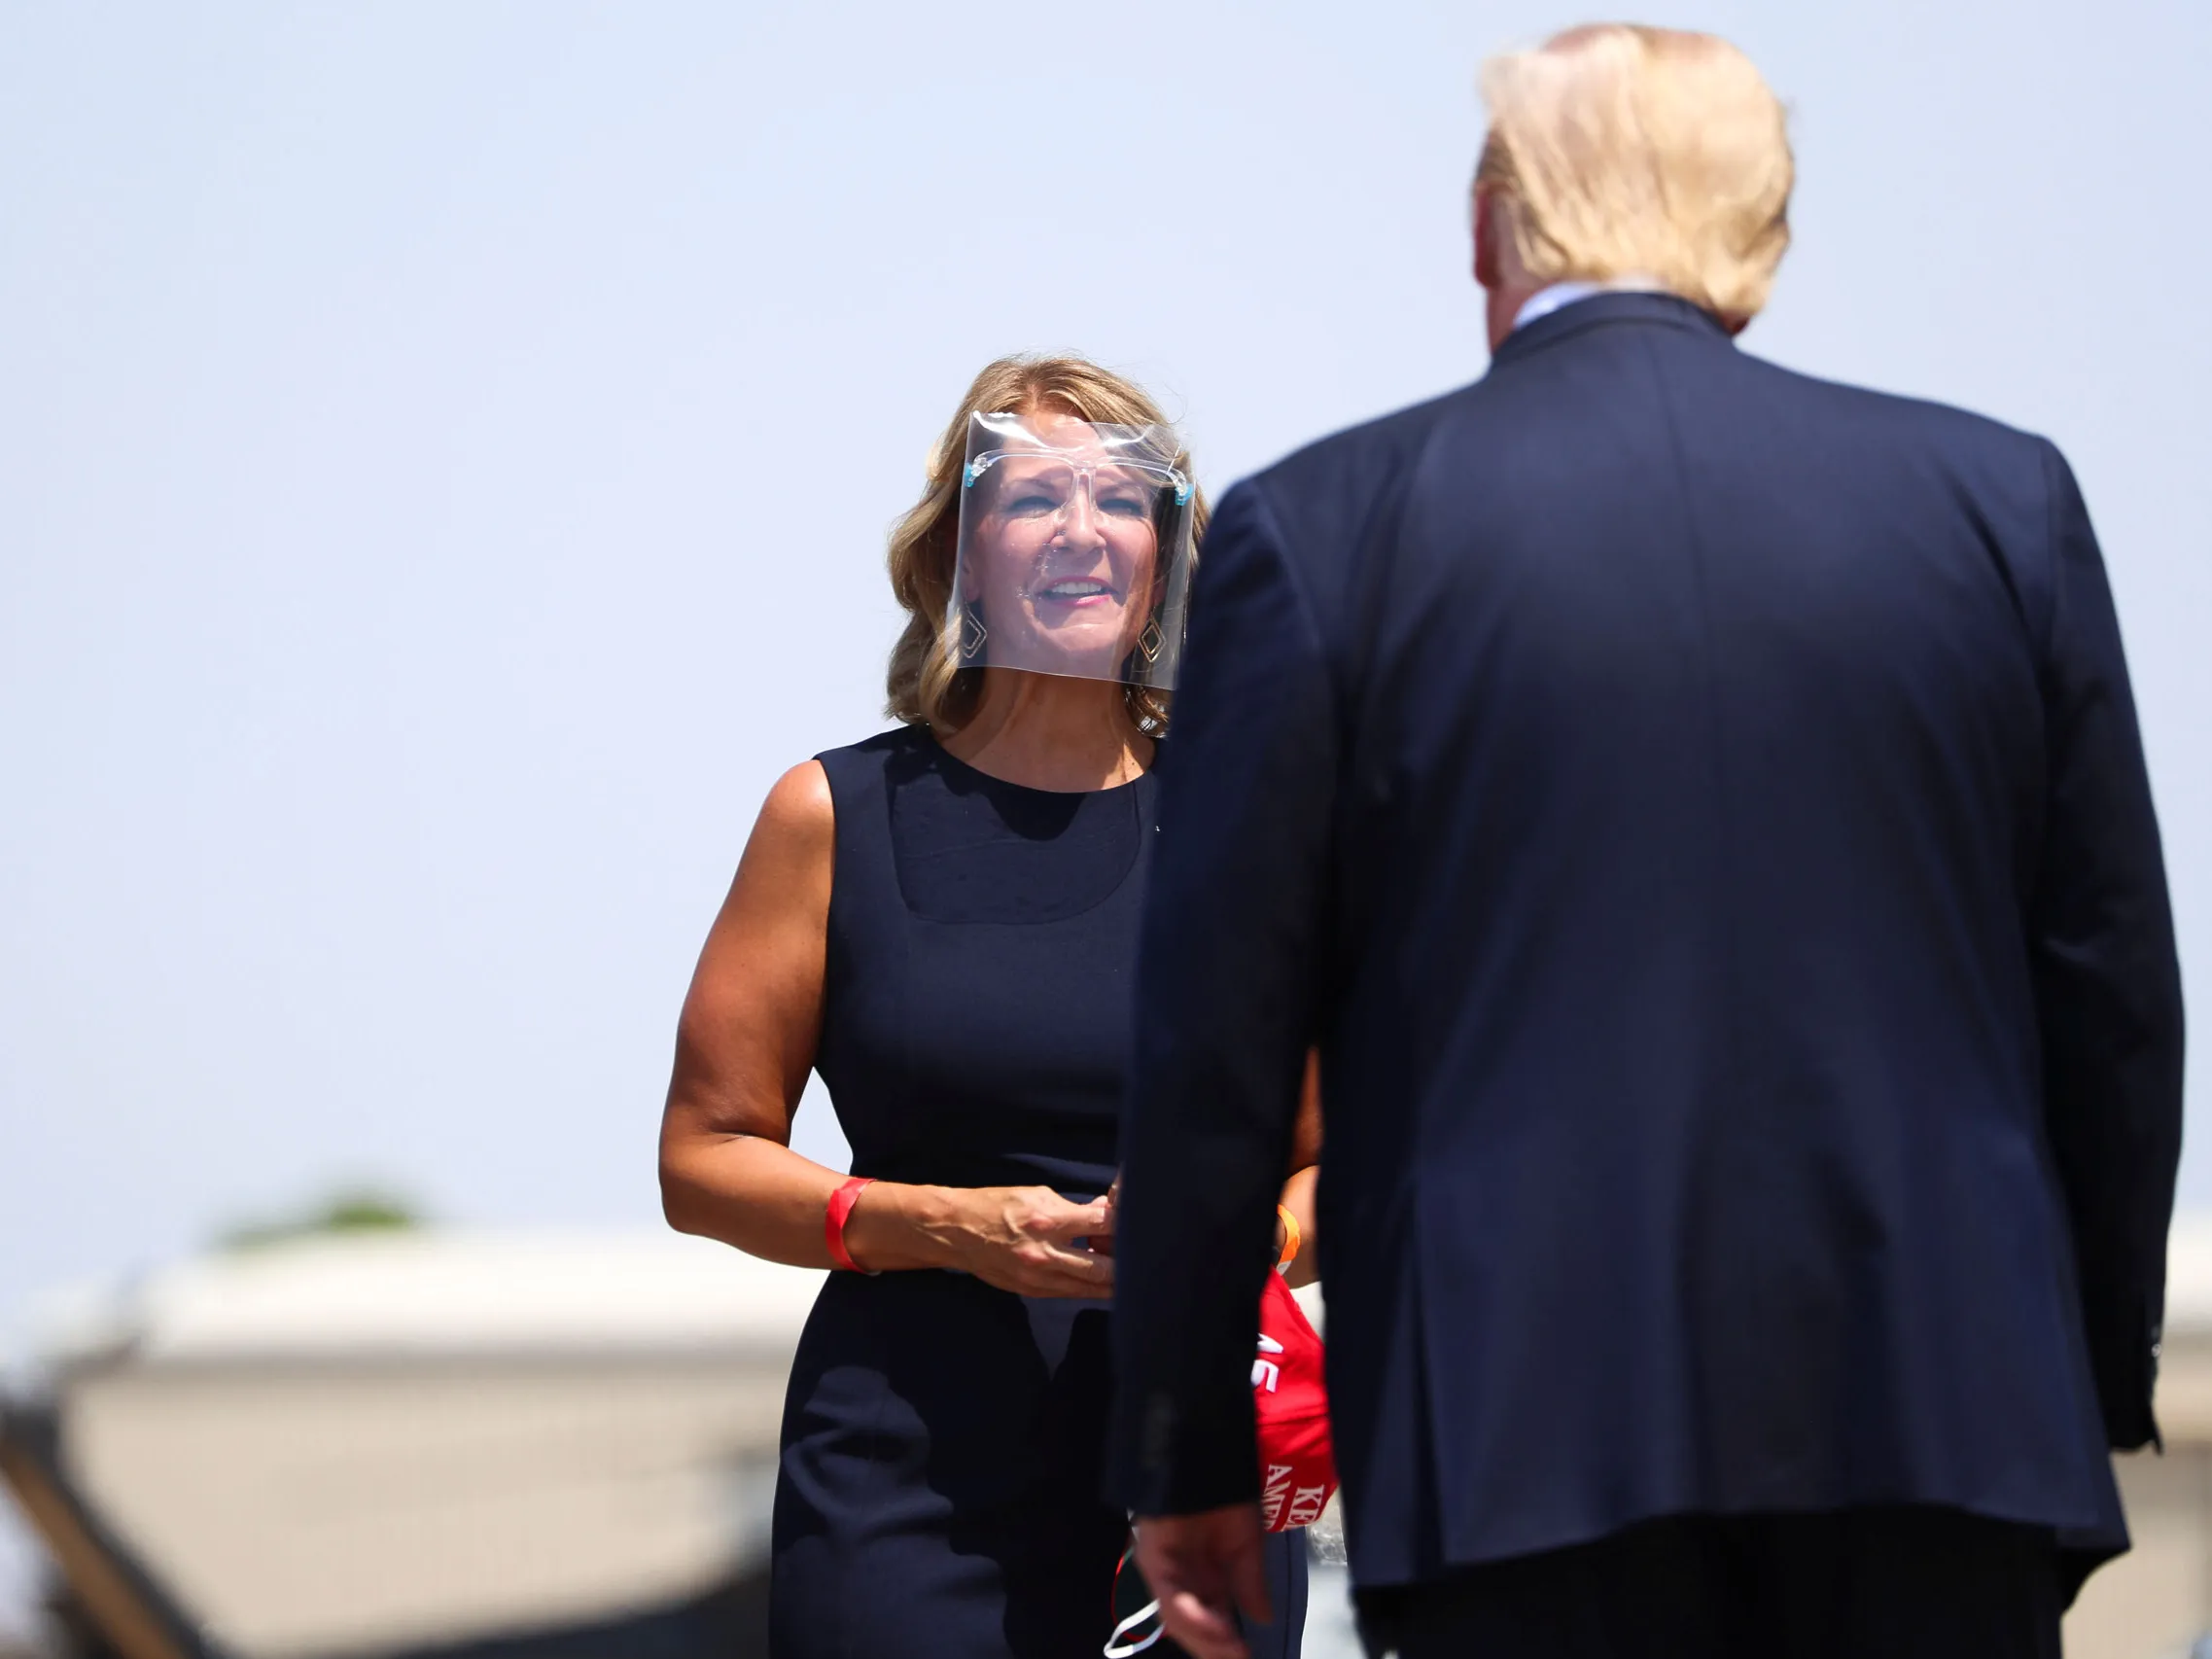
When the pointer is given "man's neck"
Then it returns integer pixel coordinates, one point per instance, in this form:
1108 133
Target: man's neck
1501 310
1517 306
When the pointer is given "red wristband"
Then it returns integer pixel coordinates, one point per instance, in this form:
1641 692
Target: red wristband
834 1219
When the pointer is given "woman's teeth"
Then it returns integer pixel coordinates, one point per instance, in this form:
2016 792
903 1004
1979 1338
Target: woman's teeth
1072 590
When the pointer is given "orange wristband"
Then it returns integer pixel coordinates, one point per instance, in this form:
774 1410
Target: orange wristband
833 1220
1293 1239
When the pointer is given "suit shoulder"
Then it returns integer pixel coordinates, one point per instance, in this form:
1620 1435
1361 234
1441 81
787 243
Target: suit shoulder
1328 507
1995 482
1930 422
1363 460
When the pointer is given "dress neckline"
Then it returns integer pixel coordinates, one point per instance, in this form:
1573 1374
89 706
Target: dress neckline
992 778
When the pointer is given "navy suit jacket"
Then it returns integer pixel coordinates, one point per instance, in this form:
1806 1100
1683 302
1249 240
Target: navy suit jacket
1697 813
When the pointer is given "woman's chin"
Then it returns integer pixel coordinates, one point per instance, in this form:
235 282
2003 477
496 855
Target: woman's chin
1094 654
1101 664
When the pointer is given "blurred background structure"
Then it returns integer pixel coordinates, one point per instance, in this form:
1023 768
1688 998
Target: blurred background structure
444 460
388 1444
417 1445
514 1445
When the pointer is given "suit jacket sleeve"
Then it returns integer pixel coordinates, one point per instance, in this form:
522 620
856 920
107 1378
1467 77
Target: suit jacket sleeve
2108 987
1224 1017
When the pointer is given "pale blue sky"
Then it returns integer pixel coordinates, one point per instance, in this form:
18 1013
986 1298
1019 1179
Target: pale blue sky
445 452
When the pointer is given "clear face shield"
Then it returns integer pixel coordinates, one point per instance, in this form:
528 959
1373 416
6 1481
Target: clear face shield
1074 549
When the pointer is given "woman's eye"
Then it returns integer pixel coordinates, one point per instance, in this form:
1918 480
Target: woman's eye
1122 507
1028 506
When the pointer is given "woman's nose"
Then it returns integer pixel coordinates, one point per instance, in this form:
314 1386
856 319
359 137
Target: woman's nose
1079 518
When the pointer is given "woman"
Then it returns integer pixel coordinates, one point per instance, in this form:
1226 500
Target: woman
941 921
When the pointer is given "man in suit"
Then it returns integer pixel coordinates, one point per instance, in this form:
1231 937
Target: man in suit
1698 814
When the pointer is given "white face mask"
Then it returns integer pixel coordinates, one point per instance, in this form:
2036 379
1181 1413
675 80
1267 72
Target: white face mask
1123 1643
1126 1638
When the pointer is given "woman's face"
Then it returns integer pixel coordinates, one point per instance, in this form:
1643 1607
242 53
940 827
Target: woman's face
1064 557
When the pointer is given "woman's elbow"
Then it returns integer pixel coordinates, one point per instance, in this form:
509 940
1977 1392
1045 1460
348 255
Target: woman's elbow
682 1203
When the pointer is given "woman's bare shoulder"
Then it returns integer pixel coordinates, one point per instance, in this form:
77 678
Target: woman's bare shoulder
800 797
798 821
799 817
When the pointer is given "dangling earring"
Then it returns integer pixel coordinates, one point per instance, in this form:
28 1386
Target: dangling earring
1151 641
972 632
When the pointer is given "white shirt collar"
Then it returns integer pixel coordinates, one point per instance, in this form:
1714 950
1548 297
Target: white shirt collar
1561 295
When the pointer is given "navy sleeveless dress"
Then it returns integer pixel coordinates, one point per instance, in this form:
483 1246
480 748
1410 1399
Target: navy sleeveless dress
942 1440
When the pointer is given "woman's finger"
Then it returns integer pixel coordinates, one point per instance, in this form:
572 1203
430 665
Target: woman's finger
1085 1274
1081 1278
1082 1221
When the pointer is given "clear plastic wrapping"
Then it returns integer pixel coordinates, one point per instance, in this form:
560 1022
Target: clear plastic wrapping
1074 549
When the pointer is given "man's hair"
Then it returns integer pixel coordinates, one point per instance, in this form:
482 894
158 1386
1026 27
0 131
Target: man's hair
1629 151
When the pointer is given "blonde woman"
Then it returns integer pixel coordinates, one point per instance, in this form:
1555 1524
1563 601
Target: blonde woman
941 921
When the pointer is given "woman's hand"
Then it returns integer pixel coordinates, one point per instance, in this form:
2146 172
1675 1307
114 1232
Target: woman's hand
1028 1240
1025 1239
1103 1242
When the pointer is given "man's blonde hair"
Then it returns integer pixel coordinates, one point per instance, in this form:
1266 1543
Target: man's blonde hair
1629 151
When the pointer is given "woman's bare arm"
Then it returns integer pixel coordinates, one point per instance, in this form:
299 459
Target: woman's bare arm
746 1041
744 1046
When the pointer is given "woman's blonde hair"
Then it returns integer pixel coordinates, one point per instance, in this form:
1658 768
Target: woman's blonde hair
926 685
1629 151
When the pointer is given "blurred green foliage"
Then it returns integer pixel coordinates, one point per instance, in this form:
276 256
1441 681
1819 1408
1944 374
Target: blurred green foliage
353 1210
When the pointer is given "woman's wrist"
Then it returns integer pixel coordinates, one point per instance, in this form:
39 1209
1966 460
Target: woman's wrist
895 1228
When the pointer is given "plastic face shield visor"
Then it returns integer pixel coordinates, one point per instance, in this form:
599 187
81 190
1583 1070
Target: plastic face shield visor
1074 549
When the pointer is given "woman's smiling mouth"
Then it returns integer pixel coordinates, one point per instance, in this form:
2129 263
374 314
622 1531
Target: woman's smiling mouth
1074 590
